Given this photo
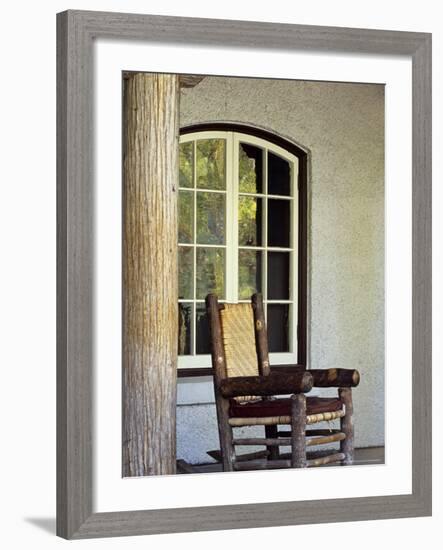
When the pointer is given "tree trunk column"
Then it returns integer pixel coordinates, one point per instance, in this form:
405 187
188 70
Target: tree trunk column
150 274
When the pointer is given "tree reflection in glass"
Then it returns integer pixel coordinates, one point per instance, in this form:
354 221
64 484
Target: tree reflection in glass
184 328
249 221
210 218
186 154
185 217
249 273
250 175
210 272
211 164
185 272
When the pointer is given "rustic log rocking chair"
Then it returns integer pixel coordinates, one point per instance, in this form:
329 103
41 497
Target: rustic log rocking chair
245 390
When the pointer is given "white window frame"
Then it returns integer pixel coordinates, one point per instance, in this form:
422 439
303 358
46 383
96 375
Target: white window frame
233 140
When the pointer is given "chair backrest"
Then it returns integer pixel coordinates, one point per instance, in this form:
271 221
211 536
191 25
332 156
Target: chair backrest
238 336
239 343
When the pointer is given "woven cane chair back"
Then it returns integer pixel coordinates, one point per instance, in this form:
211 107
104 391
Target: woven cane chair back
237 323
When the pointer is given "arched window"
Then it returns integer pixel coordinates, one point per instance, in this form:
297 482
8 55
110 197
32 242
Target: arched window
239 233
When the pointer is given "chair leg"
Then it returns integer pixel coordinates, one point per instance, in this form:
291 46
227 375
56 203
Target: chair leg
298 435
225 434
271 433
347 426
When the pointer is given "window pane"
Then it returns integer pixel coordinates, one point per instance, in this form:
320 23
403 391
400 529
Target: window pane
185 272
279 216
249 273
249 221
278 327
202 342
211 218
211 160
184 328
279 175
186 164
278 276
250 169
185 217
210 272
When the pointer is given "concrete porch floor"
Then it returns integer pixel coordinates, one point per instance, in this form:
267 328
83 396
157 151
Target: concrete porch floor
367 455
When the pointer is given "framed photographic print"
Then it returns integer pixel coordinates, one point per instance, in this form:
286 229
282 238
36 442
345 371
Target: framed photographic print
244 274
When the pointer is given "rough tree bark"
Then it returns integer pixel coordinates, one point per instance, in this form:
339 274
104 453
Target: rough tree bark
150 274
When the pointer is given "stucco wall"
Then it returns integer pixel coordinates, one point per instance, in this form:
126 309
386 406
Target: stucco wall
342 125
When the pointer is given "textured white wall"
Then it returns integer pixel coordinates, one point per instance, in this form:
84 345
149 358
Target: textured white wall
342 125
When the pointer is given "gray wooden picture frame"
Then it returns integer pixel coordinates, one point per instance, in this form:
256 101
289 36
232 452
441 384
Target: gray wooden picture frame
76 31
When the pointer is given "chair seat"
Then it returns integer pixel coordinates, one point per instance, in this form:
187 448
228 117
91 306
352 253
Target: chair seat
282 407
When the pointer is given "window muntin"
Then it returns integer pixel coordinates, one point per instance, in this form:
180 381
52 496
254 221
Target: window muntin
238 234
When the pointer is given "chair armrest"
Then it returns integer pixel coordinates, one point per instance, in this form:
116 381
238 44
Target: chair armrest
335 378
273 384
